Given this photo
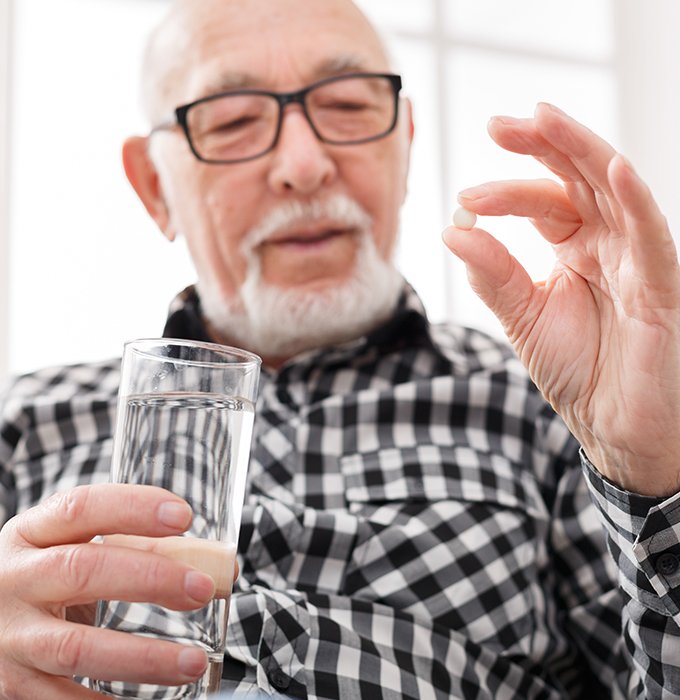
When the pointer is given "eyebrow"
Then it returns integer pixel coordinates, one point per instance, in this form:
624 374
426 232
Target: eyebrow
337 65
341 64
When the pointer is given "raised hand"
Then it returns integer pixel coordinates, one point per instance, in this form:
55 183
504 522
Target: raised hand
601 335
49 565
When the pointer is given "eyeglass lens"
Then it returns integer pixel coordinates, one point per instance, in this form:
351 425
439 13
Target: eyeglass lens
238 126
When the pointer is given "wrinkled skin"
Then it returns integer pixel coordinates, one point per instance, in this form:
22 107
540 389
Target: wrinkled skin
600 336
53 575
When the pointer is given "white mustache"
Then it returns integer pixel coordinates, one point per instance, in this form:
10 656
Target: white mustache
342 211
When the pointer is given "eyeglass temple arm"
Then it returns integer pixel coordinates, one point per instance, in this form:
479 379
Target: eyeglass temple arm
169 122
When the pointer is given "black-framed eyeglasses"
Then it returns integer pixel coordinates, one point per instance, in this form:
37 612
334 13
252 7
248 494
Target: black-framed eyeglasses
240 125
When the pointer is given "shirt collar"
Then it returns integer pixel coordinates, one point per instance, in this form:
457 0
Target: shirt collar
407 327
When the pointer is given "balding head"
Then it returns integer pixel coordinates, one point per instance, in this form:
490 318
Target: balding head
329 209
186 36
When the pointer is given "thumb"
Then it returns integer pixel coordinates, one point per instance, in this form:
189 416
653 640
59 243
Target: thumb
495 276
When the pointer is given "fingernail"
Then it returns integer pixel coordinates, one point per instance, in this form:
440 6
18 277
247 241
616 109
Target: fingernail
473 192
549 106
624 161
192 662
175 514
199 586
504 119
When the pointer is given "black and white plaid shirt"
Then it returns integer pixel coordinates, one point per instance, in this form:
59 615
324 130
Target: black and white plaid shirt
417 525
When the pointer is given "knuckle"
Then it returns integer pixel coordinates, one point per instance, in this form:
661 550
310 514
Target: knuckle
70 650
17 530
71 505
10 527
78 565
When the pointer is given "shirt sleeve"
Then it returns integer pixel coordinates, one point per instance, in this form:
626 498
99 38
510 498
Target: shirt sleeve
55 432
644 541
9 436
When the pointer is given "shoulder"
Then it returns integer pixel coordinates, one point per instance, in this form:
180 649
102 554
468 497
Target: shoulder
65 381
55 431
55 396
44 389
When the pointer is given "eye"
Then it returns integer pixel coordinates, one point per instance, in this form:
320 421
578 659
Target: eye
345 105
232 114
236 123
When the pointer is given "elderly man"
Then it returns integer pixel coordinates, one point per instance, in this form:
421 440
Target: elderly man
419 523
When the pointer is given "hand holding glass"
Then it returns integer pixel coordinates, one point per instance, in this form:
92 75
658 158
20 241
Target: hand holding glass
185 418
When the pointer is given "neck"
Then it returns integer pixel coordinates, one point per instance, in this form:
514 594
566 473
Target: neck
273 363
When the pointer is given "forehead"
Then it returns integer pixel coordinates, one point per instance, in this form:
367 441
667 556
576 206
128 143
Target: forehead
277 44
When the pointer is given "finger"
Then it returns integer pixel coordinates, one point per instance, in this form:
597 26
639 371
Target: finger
212 557
652 246
82 573
589 153
594 207
32 685
542 201
66 649
82 513
217 559
495 275
522 136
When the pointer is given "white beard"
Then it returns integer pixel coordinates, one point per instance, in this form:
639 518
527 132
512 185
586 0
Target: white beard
279 323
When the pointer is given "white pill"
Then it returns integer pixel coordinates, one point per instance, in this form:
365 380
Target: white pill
462 218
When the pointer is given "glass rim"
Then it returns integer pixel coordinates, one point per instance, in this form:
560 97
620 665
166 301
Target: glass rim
249 359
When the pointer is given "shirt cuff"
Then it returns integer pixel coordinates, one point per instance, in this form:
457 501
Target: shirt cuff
644 539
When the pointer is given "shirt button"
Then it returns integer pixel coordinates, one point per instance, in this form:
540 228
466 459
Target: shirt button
667 564
279 679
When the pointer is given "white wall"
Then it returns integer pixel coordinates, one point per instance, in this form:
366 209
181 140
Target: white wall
648 61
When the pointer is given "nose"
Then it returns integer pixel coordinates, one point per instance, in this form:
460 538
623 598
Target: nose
300 163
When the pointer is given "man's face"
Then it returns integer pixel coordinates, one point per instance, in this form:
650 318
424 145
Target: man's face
278 45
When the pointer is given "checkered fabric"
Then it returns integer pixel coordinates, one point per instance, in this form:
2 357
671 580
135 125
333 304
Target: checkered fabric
417 524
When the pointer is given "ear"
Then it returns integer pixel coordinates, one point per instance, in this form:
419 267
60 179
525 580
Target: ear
408 130
143 176
408 109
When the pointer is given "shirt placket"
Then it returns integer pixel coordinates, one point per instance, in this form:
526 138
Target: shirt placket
283 647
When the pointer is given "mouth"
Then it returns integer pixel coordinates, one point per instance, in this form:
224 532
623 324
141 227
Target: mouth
311 238
318 252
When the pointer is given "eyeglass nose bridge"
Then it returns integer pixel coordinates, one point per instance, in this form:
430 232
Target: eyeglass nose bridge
289 98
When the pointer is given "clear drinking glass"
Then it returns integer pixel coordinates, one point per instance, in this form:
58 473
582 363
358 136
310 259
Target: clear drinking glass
185 418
